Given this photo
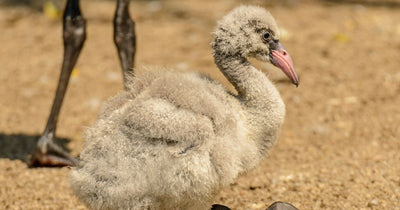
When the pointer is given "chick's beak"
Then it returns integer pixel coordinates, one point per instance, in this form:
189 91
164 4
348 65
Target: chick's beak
281 59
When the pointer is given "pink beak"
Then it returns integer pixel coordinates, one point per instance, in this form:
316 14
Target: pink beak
281 59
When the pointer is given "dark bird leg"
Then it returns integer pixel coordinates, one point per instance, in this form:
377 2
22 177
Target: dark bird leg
47 152
124 38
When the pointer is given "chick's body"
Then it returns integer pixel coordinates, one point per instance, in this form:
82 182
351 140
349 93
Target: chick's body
175 139
163 146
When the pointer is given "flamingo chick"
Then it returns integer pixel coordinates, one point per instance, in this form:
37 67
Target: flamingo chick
174 140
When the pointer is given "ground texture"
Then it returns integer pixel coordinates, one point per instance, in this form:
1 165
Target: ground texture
338 149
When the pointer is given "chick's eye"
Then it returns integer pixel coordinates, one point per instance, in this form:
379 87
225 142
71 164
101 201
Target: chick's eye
266 36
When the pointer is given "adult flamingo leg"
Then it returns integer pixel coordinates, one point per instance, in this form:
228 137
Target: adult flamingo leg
47 152
124 38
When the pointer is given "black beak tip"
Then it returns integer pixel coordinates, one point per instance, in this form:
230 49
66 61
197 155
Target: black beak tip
296 83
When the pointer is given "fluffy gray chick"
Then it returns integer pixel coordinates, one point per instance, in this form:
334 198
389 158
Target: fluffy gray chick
175 139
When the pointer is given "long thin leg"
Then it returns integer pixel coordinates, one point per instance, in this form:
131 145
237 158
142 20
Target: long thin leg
48 153
124 38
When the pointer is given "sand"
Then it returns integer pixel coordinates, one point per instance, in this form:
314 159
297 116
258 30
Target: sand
339 146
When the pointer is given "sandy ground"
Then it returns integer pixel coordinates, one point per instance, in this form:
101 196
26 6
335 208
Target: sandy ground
339 146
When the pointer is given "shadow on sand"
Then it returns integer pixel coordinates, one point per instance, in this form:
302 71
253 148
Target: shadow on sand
21 146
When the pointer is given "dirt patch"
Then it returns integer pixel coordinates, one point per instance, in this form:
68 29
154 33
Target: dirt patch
339 146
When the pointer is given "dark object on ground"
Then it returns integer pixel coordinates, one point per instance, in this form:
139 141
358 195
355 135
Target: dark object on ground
219 207
279 205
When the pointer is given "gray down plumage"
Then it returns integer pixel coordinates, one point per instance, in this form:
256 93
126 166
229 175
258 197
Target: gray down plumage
176 139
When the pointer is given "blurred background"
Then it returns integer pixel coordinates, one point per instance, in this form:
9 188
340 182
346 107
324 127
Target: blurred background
339 146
